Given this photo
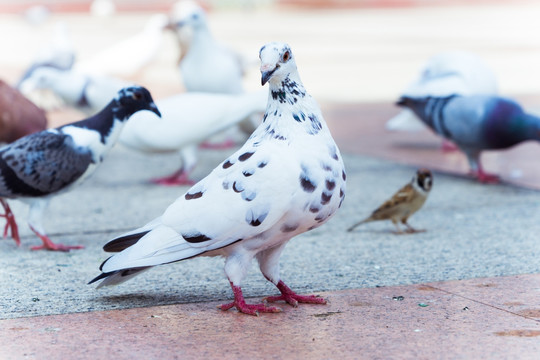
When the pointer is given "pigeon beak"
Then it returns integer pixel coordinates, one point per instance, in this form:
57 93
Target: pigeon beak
153 108
267 71
401 102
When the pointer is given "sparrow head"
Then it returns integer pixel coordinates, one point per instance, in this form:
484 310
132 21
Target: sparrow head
423 179
277 62
136 98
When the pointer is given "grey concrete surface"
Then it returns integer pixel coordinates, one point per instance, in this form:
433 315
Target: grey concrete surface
473 230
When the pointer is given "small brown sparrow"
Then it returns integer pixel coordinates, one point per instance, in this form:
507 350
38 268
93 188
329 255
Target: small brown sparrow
404 203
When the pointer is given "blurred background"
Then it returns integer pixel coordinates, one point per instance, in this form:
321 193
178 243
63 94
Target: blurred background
354 56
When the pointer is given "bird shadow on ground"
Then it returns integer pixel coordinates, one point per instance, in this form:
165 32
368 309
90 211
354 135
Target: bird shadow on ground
154 299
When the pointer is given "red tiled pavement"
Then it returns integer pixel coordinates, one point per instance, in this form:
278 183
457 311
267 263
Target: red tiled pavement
468 319
359 128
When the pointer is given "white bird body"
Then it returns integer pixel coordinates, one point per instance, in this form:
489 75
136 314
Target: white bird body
445 74
189 118
129 56
207 65
288 178
84 92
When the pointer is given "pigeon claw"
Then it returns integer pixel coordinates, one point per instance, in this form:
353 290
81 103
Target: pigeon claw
292 298
11 224
250 309
227 144
178 178
49 245
486 178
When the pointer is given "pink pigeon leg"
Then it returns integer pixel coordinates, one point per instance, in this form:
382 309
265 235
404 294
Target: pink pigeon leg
10 223
292 298
226 144
49 245
448 146
241 306
483 177
179 177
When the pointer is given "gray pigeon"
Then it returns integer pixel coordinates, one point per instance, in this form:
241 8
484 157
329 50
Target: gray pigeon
287 179
41 165
476 123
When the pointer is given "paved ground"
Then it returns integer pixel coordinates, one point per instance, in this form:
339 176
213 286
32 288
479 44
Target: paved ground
484 233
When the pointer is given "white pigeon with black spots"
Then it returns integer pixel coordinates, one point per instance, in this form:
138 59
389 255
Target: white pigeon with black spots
288 178
39 166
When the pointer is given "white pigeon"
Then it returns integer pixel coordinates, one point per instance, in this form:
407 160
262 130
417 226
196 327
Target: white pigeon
129 56
85 92
207 65
41 165
287 179
445 74
187 120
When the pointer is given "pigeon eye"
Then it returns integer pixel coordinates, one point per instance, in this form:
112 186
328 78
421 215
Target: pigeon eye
137 96
286 56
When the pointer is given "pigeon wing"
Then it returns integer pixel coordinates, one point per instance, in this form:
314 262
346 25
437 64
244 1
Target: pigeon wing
41 163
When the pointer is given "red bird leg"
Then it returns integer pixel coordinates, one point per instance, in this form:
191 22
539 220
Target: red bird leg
241 306
293 298
448 146
484 177
180 177
226 144
10 223
49 245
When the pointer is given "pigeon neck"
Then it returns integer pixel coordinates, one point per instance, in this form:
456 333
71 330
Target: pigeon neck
287 91
106 120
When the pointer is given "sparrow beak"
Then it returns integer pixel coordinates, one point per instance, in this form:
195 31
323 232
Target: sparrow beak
401 102
153 108
267 71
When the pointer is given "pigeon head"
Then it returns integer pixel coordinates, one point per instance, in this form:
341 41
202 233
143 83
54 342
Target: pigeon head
277 62
193 16
423 179
136 98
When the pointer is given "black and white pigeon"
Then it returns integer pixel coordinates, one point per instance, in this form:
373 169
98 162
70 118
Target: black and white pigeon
287 179
476 123
39 166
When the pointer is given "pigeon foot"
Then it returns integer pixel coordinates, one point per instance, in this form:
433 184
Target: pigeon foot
11 224
49 245
448 146
250 309
292 298
178 178
227 144
486 178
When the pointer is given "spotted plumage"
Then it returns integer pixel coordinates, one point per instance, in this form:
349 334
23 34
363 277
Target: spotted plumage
269 191
38 166
404 203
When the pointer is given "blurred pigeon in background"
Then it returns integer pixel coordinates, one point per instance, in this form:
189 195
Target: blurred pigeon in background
288 178
18 115
85 92
187 120
130 56
207 65
38 166
445 74
404 203
476 123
